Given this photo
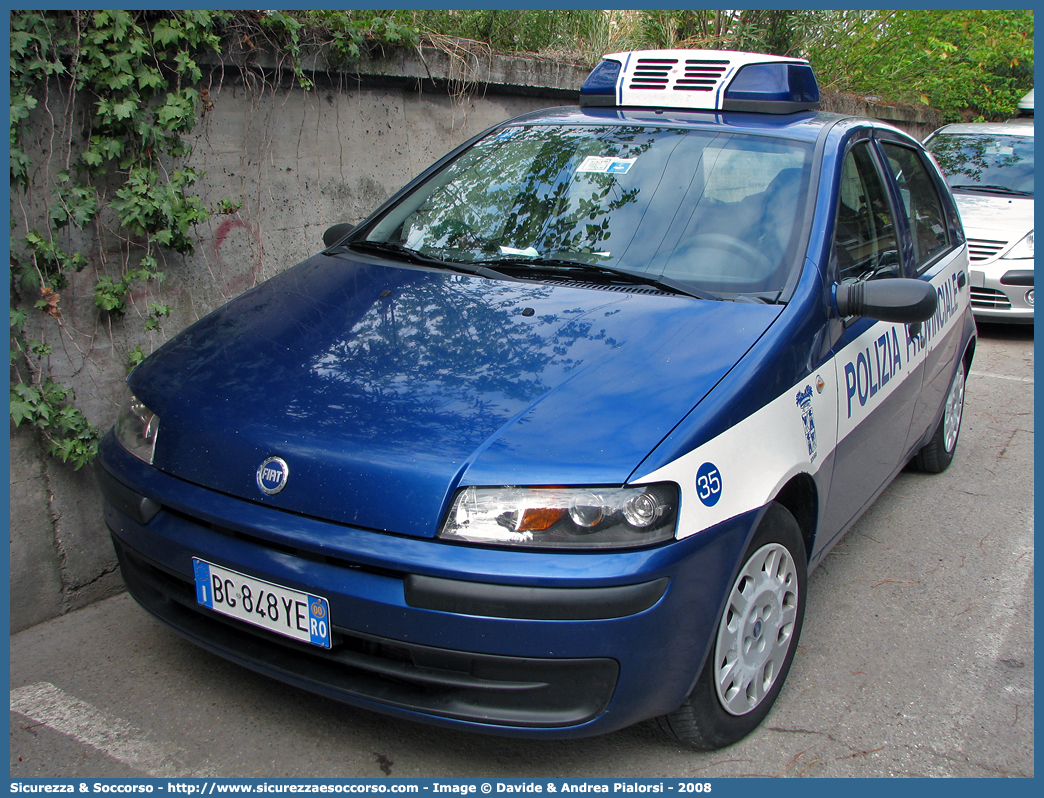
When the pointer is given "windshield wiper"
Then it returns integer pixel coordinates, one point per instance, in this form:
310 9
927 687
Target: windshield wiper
990 189
413 256
561 267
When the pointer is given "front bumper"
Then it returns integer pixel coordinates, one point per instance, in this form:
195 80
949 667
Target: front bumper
1001 290
502 690
508 642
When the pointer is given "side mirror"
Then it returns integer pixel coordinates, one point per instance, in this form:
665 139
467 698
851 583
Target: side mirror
336 233
899 299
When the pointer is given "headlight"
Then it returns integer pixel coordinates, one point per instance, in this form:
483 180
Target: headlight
564 518
1022 250
136 428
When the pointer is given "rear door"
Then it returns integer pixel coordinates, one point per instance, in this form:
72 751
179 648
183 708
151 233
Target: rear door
932 251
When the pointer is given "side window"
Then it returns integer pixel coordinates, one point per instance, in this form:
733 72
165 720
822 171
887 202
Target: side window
864 238
920 203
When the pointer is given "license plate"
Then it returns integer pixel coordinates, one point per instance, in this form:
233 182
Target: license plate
272 607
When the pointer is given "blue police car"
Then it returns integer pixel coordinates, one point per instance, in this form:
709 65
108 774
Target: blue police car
548 444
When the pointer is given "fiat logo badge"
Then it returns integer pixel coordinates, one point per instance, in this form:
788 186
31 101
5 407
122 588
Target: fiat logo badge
272 475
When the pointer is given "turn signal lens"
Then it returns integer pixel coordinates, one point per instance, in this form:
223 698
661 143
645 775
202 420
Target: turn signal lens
537 519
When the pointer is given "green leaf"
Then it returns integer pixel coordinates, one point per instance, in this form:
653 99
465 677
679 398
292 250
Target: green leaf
20 42
124 109
19 166
169 113
149 78
27 392
21 106
165 33
20 411
18 317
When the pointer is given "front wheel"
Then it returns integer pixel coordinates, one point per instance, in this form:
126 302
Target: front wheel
936 455
755 644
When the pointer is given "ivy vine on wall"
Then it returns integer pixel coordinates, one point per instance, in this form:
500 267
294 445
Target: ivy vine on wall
139 77
130 83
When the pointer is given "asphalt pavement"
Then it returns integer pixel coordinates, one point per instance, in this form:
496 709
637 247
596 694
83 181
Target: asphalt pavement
916 659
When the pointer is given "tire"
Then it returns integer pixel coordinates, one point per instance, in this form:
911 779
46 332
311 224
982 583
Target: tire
721 709
936 455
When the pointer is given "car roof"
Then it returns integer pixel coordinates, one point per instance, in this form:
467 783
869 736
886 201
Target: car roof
801 126
1013 127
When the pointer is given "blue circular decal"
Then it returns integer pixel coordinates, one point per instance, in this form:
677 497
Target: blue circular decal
272 475
708 484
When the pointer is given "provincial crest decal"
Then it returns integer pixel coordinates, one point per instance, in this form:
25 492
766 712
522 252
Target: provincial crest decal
804 403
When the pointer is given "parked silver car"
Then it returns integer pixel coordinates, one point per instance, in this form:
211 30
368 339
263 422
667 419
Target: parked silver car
989 167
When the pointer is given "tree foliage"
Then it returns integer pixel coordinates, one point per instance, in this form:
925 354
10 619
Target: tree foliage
965 63
138 72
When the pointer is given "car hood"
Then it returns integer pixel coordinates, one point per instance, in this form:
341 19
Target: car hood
995 217
385 387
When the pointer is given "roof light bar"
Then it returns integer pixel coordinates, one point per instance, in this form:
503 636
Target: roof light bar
712 80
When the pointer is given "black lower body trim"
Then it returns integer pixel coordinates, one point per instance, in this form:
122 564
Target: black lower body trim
1023 277
537 603
480 688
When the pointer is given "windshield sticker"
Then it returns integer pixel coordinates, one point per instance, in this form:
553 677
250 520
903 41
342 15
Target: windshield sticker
529 252
606 166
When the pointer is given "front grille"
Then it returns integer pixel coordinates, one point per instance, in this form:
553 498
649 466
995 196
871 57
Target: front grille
980 249
989 299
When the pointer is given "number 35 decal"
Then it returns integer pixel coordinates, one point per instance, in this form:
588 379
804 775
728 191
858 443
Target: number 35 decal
708 484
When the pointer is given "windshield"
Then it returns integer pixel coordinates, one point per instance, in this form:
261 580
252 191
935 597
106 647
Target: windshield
983 161
719 211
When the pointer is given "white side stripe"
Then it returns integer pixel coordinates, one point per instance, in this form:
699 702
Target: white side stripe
744 467
50 706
